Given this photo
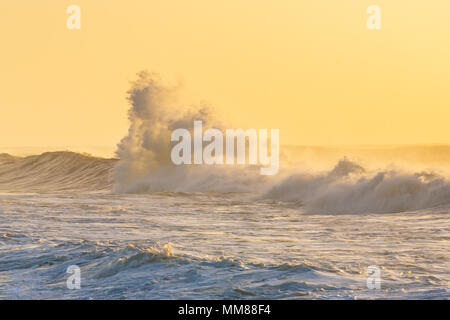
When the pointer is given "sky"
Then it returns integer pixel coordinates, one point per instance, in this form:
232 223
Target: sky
309 68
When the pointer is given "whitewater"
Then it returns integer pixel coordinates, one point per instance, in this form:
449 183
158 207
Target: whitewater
139 227
304 236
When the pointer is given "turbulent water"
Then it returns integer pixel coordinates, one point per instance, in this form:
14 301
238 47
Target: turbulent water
142 228
220 234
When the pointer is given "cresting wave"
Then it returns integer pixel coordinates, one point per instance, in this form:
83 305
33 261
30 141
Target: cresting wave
145 167
347 188
55 172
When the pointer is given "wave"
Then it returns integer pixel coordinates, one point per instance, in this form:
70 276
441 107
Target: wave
55 172
349 188
145 167
346 188
135 256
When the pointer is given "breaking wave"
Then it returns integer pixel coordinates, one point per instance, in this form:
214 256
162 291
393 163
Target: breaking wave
145 151
145 167
349 188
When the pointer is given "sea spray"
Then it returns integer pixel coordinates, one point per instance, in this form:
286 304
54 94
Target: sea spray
155 112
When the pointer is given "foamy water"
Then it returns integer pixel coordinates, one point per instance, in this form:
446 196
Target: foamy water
188 234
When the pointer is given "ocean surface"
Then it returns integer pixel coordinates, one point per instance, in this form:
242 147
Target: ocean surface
227 235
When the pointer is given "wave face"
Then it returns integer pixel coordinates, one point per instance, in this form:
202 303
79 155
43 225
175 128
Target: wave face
55 172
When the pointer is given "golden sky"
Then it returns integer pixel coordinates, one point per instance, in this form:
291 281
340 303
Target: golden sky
310 68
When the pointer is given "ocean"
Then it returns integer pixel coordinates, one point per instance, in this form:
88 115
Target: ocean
199 233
